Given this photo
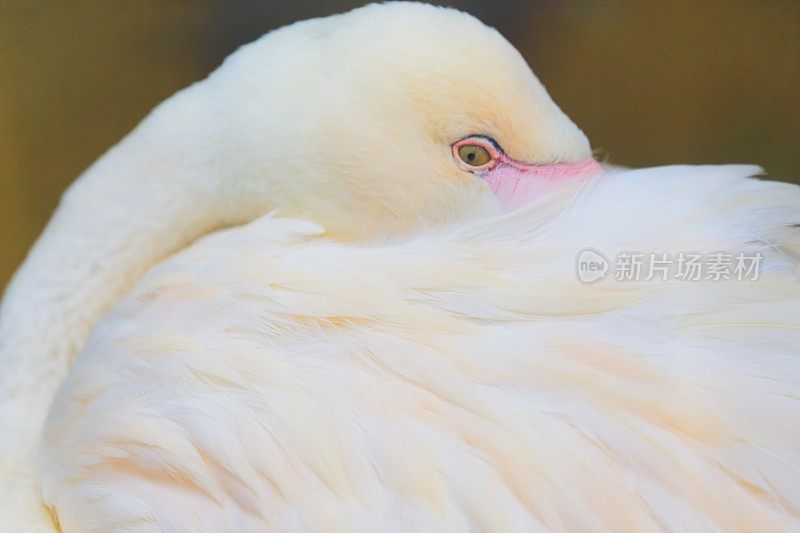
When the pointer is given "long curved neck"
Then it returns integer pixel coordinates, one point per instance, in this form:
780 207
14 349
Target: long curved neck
143 200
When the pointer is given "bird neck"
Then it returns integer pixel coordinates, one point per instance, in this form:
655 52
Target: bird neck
146 198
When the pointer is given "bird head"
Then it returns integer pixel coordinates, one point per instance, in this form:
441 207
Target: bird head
387 119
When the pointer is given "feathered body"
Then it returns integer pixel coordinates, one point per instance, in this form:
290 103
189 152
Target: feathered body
341 326
268 378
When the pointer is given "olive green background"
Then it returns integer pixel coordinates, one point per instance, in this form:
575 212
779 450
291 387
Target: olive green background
649 82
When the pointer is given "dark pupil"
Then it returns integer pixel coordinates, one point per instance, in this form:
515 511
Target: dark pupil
471 156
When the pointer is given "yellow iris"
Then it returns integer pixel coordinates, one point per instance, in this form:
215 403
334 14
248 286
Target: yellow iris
474 155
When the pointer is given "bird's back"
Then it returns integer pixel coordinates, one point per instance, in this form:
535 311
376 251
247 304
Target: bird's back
464 378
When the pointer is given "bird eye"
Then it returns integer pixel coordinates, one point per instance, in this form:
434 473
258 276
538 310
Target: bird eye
474 155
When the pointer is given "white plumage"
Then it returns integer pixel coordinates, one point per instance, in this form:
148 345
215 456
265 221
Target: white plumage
451 375
460 379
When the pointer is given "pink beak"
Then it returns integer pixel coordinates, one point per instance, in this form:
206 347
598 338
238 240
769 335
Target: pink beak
516 184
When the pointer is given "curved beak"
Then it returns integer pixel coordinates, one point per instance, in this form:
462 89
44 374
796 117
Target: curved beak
516 184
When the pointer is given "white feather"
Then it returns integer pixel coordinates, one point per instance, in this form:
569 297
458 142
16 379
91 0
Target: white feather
267 378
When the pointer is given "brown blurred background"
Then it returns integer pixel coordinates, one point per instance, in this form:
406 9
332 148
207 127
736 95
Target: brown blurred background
649 82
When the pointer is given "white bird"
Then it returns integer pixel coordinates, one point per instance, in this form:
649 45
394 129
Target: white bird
385 331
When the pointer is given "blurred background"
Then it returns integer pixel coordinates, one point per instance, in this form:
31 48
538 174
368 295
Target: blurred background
649 82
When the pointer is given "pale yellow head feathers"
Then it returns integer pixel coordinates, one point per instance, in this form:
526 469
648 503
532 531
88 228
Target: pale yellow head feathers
350 119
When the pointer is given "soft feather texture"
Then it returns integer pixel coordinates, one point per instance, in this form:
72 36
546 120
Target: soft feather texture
292 124
461 379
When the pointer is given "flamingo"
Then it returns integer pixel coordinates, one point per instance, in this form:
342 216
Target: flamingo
335 287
